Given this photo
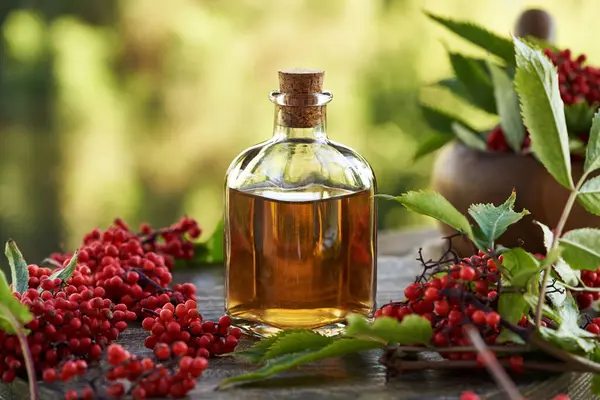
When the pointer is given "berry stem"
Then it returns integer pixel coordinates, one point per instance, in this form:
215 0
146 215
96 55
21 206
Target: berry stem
20 333
557 234
491 363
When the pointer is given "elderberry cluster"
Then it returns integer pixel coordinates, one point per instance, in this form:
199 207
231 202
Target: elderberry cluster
577 82
184 324
135 269
72 323
590 279
169 373
451 294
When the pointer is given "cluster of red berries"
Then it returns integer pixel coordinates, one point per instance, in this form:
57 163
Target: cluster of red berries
475 280
121 276
590 279
170 373
71 321
184 324
135 269
496 141
577 82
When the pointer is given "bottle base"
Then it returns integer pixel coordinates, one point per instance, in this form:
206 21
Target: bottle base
261 330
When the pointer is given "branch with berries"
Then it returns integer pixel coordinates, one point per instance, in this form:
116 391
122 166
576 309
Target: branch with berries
488 85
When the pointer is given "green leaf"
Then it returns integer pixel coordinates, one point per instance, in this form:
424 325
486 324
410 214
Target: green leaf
440 120
455 87
209 252
296 342
18 267
337 348
569 335
256 352
521 266
66 272
564 271
507 103
215 244
543 111
581 248
592 155
494 221
432 143
19 311
475 78
468 137
434 205
547 311
412 330
579 116
589 195
490 42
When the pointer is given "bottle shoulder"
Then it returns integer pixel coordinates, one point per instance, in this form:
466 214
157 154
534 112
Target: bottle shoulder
298 163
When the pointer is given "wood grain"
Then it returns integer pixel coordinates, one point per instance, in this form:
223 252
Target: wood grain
355 377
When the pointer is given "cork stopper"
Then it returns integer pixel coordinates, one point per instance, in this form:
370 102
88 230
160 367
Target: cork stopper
301 80
300 85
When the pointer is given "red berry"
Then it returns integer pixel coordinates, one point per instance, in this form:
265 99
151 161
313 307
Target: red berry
516 363
479 317
431 294
593 328
493 319
469 395
467 274
413 291
179 348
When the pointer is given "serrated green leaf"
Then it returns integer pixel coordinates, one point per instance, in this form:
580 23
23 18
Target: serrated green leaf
432 143
589 195
569 335
474 77
543 111
468 137
579 116
66 272
434 205
19 311
490 42
564 271
412 330
296 342
547 311
592 155
440 120
581 248
507 104
339 347
257 351
18 267
493 220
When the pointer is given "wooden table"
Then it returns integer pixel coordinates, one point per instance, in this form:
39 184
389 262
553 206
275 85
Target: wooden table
351 377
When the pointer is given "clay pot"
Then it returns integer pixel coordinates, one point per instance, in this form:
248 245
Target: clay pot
467 176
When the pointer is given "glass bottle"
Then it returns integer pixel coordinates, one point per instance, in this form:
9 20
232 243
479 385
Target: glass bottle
300 221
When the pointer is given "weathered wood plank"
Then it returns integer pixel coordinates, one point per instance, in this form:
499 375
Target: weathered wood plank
357 376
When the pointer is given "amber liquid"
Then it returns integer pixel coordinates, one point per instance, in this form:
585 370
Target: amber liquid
299 260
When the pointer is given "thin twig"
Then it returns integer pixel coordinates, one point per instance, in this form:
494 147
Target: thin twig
558 232
491 363
33 393
464 349
572 359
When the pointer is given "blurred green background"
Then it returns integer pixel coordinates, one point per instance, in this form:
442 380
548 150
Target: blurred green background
135 108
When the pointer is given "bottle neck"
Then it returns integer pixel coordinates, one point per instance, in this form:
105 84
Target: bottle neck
300 123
